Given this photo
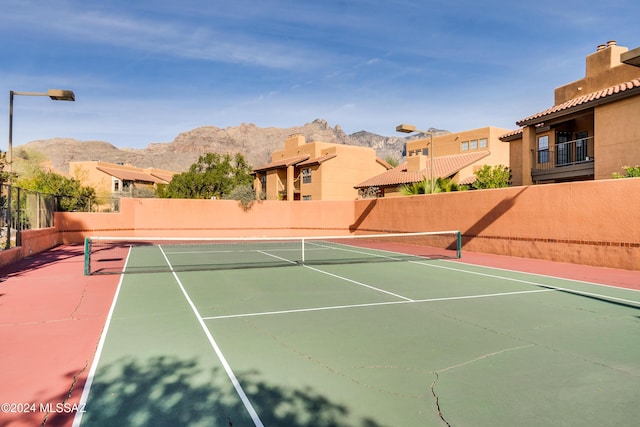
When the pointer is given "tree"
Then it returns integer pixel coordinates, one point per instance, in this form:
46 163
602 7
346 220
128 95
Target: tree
492 177
4 166
244 194
213 175
441 185
71 195
392 161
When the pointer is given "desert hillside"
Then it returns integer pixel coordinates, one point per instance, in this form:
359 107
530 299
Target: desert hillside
255 143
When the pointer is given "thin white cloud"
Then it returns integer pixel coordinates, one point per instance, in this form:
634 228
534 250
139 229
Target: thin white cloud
146 70
171 38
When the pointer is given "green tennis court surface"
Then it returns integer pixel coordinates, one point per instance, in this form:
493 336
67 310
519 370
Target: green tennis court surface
412 343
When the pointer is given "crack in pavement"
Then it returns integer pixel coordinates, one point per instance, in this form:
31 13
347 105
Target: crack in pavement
459 365
69 392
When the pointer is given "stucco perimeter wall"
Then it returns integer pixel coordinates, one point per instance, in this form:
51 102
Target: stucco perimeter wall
209 218
33 241
593 223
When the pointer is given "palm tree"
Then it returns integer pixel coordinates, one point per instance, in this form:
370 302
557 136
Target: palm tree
441 185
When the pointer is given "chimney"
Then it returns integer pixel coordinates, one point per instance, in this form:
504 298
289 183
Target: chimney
606 57
292 143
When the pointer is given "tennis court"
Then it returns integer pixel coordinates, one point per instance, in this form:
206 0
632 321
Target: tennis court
314 337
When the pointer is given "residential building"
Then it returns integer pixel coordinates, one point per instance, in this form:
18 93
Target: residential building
316 170
111 179
456 156
593 128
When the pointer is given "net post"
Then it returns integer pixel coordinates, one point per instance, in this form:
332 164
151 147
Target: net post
459 245
87 256
302 243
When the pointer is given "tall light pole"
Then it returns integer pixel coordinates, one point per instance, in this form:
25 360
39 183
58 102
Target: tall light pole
54 94
405 128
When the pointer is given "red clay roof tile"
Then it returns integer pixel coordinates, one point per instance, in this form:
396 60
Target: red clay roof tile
130 175
283 163
317 160
442 167
589 100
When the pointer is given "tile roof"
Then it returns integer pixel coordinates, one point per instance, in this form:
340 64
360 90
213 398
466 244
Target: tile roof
442 167
283 163
584 102
468 180
317 160
511 135
130 175
516 134
384 163
164 176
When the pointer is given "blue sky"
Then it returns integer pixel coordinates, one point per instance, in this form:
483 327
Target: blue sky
143 71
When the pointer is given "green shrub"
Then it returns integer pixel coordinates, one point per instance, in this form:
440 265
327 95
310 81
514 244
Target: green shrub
630 172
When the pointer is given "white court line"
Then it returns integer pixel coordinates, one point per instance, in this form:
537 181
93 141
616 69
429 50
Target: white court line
277 257
377 254
540 275
234 251
236 384
359 283
529 282
340 277
77 419
374 304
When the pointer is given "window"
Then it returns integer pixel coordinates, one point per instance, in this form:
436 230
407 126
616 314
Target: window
473 145
306 197
306 176
464 146
116 185
425 151
543 149
483 143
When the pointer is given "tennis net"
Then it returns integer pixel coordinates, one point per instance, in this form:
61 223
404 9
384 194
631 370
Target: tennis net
115 255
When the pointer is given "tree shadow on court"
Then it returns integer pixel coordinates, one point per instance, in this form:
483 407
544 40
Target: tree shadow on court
166 391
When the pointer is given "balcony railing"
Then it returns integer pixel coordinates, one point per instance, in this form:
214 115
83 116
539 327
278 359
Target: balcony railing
567 159
564 154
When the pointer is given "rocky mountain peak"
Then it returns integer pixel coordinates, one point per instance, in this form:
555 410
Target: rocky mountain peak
254 142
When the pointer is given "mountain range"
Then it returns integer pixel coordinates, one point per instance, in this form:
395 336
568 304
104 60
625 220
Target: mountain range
255 143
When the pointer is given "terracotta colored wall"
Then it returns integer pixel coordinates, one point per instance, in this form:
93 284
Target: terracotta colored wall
33 241
195 218
591 222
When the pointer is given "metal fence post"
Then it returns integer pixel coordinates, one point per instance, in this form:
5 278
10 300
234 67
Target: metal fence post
8 244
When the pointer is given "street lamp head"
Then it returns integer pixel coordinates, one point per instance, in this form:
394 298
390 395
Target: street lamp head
405 128
61 95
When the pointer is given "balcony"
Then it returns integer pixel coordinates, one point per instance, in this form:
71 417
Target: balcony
567 161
